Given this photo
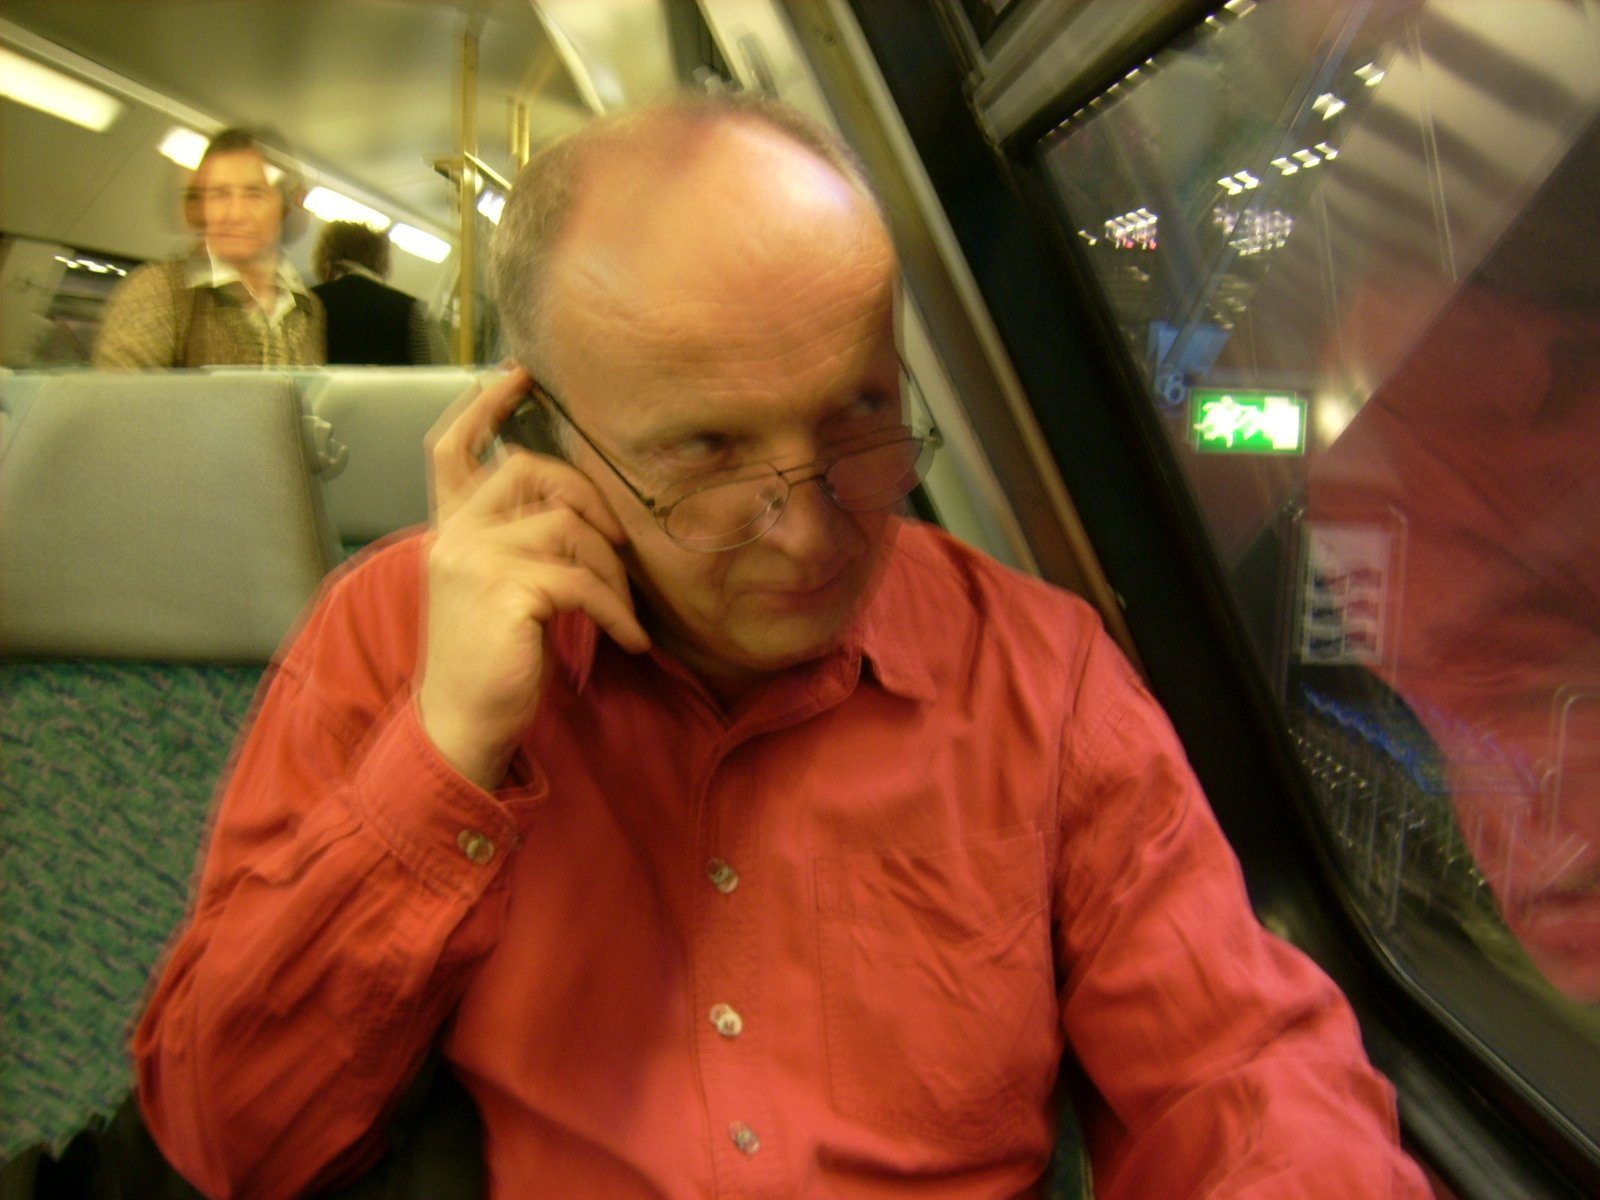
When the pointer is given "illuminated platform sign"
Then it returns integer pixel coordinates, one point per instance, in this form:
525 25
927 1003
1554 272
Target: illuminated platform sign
1244 421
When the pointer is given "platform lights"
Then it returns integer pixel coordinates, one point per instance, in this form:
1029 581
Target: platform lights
1288 164
1136 230
1254 231
1328 106
1239 181
1291 164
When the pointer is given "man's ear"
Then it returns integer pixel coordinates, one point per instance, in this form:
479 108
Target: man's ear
295 216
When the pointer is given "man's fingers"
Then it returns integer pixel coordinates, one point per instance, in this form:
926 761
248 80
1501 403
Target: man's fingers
525 521
460 438
574 587
546 548
570 560
529 483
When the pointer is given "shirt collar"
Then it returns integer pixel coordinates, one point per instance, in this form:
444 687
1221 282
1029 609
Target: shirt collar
205 269
355 268
887 641
879 638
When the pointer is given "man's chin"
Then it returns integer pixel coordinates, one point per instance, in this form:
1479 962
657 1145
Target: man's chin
773 654
749 652
234 250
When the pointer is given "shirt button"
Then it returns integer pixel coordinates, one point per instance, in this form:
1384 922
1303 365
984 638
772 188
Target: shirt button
744 1137
729 1023
478 847
723 877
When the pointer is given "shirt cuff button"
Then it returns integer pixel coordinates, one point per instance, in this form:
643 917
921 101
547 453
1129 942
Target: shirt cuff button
478 847
723 877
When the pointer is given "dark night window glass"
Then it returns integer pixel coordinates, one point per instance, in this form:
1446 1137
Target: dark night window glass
1356 248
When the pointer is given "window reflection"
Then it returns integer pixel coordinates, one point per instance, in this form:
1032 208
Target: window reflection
1354 247
1478 451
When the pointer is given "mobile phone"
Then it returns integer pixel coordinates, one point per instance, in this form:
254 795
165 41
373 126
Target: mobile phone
528 426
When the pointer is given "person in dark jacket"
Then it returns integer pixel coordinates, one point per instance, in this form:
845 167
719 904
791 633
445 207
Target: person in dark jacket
369 322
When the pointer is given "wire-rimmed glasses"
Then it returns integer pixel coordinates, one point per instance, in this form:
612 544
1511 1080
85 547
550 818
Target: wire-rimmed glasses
724 510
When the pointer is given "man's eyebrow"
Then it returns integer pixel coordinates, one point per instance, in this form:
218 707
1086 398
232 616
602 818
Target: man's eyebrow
677 428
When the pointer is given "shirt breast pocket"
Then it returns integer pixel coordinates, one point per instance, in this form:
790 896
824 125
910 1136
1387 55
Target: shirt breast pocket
938 989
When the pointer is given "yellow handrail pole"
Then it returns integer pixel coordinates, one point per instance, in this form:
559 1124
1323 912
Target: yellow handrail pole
521 135
467 267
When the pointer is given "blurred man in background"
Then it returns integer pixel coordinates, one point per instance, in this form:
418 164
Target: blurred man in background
236 299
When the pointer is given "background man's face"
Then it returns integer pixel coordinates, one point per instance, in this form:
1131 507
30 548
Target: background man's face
242 210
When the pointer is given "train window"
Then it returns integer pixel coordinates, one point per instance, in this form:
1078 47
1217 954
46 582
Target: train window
985 16
1353 246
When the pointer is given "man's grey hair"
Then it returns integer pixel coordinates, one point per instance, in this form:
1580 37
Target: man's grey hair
536 211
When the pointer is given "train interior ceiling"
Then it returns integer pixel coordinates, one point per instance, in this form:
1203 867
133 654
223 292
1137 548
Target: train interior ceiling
1269 326
322 75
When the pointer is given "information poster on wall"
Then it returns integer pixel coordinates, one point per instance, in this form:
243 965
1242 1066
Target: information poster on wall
1350 593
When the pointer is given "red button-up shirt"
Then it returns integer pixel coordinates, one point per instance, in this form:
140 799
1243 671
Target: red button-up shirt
833 943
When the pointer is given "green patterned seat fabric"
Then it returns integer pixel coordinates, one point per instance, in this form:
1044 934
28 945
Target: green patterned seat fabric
106 775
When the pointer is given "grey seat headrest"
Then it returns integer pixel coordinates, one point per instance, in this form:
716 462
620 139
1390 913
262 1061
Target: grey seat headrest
158 515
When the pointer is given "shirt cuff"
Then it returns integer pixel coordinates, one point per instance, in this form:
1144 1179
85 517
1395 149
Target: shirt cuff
435 821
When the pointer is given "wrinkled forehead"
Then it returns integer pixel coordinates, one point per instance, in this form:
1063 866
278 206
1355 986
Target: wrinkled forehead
236 167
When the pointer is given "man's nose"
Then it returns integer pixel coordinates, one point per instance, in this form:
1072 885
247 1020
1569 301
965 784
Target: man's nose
811 525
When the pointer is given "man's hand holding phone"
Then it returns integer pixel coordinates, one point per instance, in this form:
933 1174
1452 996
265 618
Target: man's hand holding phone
518 537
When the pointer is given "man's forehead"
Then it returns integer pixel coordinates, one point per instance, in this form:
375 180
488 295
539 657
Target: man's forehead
668 172
235 166
731 200
723 242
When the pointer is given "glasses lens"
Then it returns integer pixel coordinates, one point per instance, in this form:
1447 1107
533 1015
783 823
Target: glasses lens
877 476
720 516
724 514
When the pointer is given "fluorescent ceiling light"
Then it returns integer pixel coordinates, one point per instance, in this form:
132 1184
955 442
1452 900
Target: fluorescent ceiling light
38 86
423 245
92 265
183 146
334 206
491 204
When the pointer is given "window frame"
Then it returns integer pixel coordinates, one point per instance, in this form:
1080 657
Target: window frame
1465 1115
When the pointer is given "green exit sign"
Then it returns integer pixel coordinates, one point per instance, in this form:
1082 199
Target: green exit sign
1246 421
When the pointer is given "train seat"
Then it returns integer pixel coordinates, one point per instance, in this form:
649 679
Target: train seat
158 516
380 417
160 535
17 390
